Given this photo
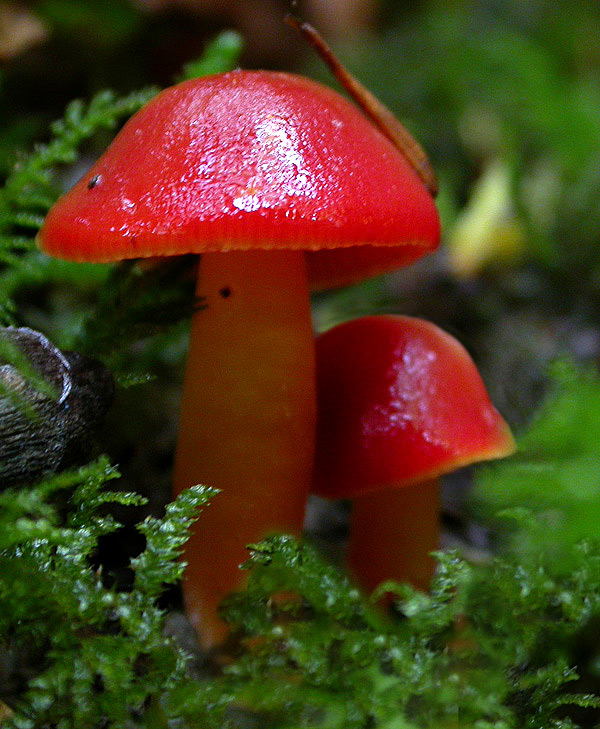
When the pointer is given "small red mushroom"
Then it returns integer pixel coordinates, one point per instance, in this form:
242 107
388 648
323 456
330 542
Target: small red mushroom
281 185
400 403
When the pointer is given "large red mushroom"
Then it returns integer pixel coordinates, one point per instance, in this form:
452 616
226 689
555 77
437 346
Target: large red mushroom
281 185
400 403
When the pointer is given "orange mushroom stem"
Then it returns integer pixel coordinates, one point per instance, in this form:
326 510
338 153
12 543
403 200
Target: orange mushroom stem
281 185
247 417
400 403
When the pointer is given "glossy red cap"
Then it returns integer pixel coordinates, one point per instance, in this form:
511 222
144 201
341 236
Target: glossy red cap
399 402
249 159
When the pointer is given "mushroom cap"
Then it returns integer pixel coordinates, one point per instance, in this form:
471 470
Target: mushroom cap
244 160
399 402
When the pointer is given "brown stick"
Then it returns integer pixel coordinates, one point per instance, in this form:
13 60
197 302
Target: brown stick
377 112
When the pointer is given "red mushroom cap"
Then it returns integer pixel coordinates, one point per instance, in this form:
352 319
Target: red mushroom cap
249 159
399 401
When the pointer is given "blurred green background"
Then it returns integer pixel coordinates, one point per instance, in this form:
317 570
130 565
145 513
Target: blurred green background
505 98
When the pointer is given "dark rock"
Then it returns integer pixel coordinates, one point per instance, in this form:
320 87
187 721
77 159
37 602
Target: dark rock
49 423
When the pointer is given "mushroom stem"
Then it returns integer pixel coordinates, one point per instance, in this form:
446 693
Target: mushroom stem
247 424
392 534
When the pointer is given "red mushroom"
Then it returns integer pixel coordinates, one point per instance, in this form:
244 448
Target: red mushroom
281 184
400 403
